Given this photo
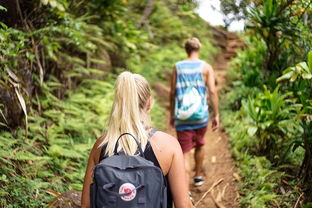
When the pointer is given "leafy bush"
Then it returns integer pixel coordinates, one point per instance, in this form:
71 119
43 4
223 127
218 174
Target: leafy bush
260 184
245 74
247 65
267 132
272 124
300 77
281 25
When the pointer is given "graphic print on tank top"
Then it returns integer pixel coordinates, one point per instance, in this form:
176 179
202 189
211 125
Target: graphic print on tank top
191 109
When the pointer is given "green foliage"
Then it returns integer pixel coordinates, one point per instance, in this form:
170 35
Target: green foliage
12 42
260 184
282 27
300 77
57 145
308 205
165 31
260 181
271 128
245 73
272 124
158 116
246 67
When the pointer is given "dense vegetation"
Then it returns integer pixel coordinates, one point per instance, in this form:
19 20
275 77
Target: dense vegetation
59 59
269 105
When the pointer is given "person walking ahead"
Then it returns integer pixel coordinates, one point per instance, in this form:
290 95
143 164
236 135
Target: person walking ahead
191 78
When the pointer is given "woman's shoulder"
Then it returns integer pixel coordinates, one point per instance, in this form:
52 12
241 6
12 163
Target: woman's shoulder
165 148
165 140
164 135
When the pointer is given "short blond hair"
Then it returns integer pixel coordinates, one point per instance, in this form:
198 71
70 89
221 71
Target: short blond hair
192 44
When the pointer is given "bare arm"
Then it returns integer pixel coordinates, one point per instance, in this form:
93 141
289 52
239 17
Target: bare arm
172 164
177 180
172 95
213 95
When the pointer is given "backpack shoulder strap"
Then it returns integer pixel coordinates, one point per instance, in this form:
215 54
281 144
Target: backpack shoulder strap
151 133
103 149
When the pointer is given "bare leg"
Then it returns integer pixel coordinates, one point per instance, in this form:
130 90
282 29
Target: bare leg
199 159
187 156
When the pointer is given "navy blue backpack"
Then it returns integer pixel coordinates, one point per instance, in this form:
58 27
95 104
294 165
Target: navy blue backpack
123 181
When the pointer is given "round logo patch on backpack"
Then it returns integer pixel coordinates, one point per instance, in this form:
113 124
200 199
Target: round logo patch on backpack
127 188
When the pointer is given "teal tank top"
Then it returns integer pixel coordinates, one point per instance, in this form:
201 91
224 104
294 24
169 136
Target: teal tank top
191 109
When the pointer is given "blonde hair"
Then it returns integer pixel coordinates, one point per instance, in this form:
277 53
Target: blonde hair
129 114
192 44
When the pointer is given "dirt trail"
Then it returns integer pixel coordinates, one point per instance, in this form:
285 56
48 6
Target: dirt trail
218 163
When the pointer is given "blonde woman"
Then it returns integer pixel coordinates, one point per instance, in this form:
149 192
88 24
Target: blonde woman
130 113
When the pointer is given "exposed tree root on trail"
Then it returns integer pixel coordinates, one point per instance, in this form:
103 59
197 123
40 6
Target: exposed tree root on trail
209 190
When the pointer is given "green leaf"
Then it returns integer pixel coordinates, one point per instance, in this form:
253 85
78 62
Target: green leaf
4 178
53 3
44 2
286 76
76 186
58 151
29 156
293 77
3 8
252 130
307 76
303 66
61 7
310 61
268 197
4 27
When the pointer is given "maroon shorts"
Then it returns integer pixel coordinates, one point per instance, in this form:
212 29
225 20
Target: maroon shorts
191 138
